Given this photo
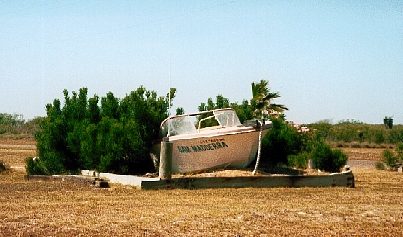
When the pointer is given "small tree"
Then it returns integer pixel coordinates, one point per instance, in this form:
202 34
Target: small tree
262 101
393 159
388 122
261 106
326 158
281 141
113 137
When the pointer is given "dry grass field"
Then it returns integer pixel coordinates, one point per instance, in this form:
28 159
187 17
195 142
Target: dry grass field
55 208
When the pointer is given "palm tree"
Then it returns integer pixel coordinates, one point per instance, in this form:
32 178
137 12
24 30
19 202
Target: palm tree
264 108
262 101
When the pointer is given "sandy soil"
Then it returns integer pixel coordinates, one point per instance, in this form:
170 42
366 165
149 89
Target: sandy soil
55 208
373 154
363 157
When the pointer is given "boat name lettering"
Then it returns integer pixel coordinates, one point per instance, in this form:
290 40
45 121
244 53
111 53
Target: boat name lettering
213 140
202 147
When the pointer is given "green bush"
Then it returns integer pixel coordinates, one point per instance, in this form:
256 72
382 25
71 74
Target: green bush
281 141
390 159
399 151
380 165
393 159
115 136
284 145
122 148
34 166
326 158
299 160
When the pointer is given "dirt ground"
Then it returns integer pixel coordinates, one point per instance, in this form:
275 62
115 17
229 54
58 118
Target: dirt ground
55 208
363 157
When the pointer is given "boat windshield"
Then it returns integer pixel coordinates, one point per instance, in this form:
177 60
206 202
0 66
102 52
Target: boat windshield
179 125
227 118
191 124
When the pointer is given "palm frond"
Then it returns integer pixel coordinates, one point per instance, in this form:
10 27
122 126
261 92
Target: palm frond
278 107
272 95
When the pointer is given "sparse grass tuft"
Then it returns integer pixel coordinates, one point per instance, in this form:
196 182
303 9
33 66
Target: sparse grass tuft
380 165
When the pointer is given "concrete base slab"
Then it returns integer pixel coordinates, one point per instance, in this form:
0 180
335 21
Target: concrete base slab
126 179
75 178
345 179
295 181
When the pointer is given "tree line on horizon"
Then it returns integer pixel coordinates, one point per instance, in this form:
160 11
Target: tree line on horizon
353 131
347 131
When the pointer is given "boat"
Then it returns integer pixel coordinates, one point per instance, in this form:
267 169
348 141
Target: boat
209 140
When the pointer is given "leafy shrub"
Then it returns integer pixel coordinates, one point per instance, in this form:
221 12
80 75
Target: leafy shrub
281 141
395 135
390 159
284 145
122 148
322 128
393 159
379 165
399 151
379 137
326 158
113 137
299 160
34 166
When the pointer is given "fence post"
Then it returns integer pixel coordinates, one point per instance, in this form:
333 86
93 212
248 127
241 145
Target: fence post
165 169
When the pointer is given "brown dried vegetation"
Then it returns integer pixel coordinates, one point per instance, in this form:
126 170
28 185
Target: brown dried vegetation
55 208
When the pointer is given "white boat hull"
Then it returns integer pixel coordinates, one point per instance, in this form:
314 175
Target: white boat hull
232 149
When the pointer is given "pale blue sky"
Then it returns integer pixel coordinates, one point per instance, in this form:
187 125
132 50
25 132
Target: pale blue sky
328 59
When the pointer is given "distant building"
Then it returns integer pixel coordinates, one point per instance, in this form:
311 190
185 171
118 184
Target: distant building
299 127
